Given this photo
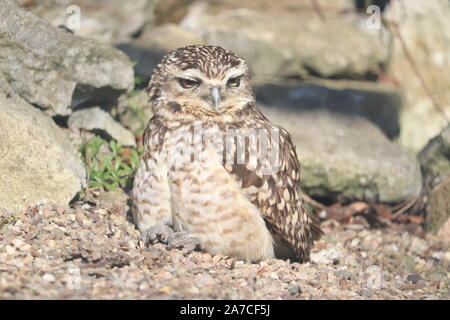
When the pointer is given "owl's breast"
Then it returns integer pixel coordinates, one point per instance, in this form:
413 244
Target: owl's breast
209 203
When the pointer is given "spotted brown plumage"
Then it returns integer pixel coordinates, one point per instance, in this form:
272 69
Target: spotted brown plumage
215 167
278 195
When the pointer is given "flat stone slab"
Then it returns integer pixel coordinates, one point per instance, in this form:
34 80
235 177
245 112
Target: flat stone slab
342 155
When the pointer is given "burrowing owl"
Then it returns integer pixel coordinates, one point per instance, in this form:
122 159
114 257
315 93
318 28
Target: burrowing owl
214 167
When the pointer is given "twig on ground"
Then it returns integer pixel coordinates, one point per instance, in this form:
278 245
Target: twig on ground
404 207
313 202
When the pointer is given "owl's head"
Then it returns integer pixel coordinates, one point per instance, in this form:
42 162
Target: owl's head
200 82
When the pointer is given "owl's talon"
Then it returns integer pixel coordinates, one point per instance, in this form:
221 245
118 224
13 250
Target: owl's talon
183 240
157 233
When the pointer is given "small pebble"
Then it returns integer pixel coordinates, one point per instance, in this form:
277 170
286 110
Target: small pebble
326 256
17 242
294 290
413 278
48 277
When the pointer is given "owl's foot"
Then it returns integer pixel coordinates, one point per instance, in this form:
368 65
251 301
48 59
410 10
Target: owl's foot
157 233
183 240
164 234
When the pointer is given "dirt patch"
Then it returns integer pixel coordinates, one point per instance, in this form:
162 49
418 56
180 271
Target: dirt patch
94 252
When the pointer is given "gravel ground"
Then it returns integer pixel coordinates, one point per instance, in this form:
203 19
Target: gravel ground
94 252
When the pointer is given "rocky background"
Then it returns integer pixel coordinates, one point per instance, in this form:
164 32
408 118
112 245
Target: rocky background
365 97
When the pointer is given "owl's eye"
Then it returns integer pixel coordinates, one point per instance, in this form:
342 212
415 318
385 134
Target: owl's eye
234 82
188 83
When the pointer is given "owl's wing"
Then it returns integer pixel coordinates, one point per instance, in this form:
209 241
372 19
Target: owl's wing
277 194
151 195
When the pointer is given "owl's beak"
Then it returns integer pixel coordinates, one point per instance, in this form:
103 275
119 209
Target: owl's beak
215 95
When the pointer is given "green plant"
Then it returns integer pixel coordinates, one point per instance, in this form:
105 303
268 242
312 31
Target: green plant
109 165
138 80
7 220
139 114
137 107
132 93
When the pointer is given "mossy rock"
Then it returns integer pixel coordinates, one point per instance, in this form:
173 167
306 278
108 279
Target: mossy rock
435 157
438 209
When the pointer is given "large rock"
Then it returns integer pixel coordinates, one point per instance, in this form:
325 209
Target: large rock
45 64
108 21
438 211
173 11
378 103
345 155
154 43
435 158
96 119
290 45
425 28
37 160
